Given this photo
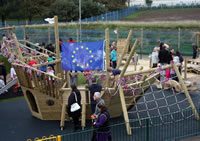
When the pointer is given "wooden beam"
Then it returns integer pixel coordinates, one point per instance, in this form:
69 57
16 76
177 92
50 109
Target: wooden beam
85 89
47 63
186 92
46 50
185 68
124 109
124 49
58 65
129 58
32 49
148 71
19 54
107 57
6 28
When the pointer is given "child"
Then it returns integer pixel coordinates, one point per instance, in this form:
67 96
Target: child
2 84
154 57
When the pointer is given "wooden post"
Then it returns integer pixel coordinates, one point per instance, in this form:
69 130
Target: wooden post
49 35
64 104
150 62
24 29
117 34
19 54
198 34
124 49
185 70
83 116
68 80
77 36
58 65
129 58
179 38
107 57
124 109
186 92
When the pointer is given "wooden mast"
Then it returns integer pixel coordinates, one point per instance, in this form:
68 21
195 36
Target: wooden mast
58 65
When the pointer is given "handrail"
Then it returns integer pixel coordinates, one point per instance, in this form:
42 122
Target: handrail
37 46
56 77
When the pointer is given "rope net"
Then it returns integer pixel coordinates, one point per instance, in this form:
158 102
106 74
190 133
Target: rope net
159 101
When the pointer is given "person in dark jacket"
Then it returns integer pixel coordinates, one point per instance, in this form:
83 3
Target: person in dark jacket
94 87
164 56
3 71
194 47
75 94
102 124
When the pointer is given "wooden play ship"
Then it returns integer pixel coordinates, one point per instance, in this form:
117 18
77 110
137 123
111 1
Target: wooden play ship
47 95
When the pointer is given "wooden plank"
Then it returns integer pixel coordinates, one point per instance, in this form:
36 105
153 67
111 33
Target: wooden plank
124 109
129 58
34 78
124 49
83 113
186 92
185 66
107 57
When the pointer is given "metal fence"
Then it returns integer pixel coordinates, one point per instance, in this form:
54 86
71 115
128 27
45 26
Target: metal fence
180 39
110 16
159 132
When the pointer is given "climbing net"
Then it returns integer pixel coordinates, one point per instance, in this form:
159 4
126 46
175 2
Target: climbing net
167 104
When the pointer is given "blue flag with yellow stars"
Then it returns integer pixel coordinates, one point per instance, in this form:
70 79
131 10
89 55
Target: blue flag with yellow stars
83 56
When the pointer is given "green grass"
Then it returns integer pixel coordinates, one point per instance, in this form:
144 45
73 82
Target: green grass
137 14
11 99
7 64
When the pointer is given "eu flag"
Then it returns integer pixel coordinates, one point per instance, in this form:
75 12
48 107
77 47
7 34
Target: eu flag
83 56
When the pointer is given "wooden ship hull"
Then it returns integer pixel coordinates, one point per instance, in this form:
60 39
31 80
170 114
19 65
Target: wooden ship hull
45 96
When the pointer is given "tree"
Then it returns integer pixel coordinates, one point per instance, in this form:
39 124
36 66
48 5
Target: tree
112 5
148 2
66 10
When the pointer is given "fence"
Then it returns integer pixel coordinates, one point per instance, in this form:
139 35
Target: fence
110 16
180 39
160 132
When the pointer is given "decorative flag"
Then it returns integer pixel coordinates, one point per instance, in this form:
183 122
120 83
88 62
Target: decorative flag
83 56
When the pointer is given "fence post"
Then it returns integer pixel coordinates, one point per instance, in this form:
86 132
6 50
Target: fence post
185 68
58 138
49 35
141 48
179 38
147 129
77 35
24 35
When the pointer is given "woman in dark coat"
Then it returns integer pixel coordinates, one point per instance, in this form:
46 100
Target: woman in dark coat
75 115
103 130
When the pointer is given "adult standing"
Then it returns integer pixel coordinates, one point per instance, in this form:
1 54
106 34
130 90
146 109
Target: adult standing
113 57
75 97
102 124
3 71
94 87
194 47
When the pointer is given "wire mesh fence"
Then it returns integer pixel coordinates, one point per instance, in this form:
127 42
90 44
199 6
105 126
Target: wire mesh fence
180 39
161 131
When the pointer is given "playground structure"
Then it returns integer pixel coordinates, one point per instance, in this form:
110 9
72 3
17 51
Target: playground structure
47 95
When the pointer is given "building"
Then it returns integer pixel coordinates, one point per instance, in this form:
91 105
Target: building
164 2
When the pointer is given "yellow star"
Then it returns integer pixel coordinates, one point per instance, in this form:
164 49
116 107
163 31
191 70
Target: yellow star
91 61
82 47
74 52
72 56
77 48
87 48
77 65
82 66
92 56
87 65
73 61
90 51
